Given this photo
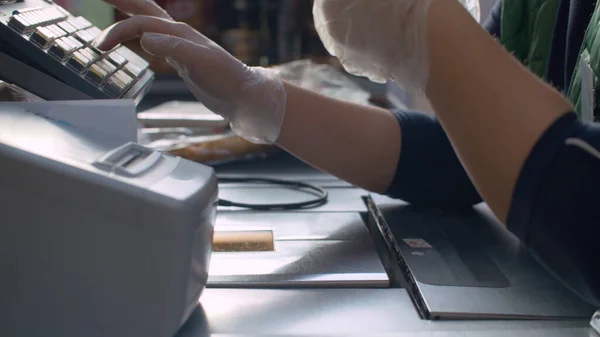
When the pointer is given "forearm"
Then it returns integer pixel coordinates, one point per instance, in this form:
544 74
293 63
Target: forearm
429 173
358 144
491 107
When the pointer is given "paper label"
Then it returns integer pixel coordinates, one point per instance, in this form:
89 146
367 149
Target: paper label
587 90
417 243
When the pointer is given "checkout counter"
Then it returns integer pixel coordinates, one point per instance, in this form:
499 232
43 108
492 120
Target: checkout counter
367 265
359 264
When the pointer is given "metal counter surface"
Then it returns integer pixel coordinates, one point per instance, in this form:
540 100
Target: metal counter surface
298 264
282 166
288 226
340 199
312 249
344 312
244 312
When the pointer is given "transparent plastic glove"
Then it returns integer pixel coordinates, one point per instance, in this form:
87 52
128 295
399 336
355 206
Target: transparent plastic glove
252 99
379 39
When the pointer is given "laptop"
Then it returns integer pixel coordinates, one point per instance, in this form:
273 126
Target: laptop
466 265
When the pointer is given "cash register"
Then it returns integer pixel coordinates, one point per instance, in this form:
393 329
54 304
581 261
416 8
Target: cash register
98 236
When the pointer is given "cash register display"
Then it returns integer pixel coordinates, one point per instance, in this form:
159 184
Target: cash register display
52 40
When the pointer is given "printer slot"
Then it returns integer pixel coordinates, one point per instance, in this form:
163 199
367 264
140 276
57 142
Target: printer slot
130 159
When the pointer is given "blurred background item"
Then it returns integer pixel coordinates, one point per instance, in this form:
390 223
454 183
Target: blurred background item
258 32
196 13
268 33
12 93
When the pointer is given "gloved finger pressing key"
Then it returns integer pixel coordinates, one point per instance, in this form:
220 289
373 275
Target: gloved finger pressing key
139 7
135 26
252 98
147 8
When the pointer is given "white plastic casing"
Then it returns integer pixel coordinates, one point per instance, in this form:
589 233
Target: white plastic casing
98 239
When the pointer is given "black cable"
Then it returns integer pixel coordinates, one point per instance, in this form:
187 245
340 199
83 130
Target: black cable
321 198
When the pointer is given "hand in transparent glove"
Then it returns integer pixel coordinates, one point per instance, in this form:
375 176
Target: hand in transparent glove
381 39
149 8
252 99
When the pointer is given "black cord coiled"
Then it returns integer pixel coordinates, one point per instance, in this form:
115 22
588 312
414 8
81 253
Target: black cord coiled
319 200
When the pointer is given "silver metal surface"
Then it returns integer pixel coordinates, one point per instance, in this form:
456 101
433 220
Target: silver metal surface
328 249
532 292
288 226
301 264
345 312
340 199
283 166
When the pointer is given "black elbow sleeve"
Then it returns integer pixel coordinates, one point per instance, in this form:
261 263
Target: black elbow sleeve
555 209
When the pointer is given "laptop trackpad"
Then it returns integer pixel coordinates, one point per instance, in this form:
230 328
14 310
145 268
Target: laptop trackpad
439 253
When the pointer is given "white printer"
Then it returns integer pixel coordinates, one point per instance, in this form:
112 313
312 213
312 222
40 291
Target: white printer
96 238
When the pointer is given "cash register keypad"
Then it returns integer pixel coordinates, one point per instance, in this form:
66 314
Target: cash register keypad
69 40
80 62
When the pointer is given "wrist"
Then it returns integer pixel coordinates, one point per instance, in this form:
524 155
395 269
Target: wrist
409 67
260 108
